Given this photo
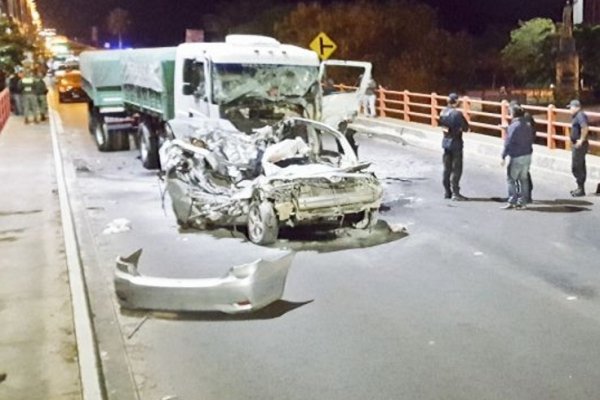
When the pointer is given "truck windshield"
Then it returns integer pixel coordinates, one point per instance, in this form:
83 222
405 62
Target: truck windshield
262 81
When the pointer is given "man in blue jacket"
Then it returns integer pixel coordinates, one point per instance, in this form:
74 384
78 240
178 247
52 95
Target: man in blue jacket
518 145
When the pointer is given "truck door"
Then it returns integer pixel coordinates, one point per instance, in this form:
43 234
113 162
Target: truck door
194 101
344 85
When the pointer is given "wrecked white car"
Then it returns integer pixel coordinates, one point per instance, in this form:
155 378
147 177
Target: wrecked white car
298 172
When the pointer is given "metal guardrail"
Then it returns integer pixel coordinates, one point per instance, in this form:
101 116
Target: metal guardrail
490 117
4 108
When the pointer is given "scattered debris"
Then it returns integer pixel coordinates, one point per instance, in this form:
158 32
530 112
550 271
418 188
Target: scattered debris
3 377
571 298
478 253
138 326
244 288
117 226
170 397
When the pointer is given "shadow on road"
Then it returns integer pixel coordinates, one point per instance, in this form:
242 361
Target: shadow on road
311 238
272 311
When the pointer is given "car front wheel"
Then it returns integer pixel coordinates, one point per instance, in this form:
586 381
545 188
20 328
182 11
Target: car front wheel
263 226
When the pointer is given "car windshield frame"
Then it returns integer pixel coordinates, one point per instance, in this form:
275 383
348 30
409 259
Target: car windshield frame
272 82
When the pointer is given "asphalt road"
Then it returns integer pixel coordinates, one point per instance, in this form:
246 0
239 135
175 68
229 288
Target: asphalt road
474 303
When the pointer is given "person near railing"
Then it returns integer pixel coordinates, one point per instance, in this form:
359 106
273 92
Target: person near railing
369 99
528 118
14 86
518 146
455 123
580 145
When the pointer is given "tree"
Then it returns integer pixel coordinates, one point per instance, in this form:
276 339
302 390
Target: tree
118 23
588 43
13 45
531 52
400 37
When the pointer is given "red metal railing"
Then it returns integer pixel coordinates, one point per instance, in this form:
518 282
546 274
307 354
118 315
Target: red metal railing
4 108
488 116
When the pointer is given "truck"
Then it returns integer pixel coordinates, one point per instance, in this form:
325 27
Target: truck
242 84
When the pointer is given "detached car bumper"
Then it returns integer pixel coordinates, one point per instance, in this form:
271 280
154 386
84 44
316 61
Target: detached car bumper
244 288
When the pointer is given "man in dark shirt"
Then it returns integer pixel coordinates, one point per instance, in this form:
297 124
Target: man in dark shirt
455 123
579 146
518 145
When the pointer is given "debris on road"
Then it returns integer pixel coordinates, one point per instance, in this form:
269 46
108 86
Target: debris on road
244 288
117 226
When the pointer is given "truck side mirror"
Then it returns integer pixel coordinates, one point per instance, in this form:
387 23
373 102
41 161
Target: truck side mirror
188 89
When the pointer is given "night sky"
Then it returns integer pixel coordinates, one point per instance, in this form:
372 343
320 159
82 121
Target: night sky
163 22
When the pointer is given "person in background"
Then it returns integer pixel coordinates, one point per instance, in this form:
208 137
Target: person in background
580 145
31 108
528 118
455 123
369 98
41 91
518 145
14 82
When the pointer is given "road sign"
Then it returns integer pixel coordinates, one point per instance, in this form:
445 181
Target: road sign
323 46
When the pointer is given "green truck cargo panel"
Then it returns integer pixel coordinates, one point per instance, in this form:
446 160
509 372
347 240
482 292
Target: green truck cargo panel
148 79
101 76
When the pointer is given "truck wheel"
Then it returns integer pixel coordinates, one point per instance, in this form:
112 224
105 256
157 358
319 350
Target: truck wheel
263 226
120 140
101 136
148 147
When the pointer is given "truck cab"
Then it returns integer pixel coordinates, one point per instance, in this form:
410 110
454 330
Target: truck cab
246 83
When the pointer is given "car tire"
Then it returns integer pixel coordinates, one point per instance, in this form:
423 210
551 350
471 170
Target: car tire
263 225
368 221
148 147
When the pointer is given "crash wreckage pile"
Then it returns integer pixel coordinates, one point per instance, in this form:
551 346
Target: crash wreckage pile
297 172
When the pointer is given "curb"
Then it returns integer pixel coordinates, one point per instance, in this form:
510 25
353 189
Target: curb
87 354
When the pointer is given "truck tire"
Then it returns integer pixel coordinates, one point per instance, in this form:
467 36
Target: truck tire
101 135
148 147
263 225
109 141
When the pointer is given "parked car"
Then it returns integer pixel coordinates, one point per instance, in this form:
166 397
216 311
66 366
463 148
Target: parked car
69 87
297 172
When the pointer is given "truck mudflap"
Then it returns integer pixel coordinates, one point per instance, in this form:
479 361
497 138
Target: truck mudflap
245 288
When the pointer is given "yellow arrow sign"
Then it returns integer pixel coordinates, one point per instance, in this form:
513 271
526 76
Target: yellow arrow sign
323 46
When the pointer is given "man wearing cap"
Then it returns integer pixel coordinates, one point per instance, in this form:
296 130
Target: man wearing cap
580 145
455 123
518 145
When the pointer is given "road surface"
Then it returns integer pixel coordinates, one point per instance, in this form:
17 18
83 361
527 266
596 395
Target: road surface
474 302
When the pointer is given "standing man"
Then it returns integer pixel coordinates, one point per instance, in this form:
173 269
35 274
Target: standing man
455 123
369 99
527 118
580 145
30 100
518 145
41 91
14 88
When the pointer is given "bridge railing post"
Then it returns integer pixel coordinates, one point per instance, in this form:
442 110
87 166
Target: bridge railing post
382 104
551 128
406 98
466 106
434 110
504 117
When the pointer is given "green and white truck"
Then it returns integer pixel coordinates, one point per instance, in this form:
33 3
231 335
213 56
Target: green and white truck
245 83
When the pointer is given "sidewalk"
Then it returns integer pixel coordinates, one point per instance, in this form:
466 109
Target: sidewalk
426 136
37 343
